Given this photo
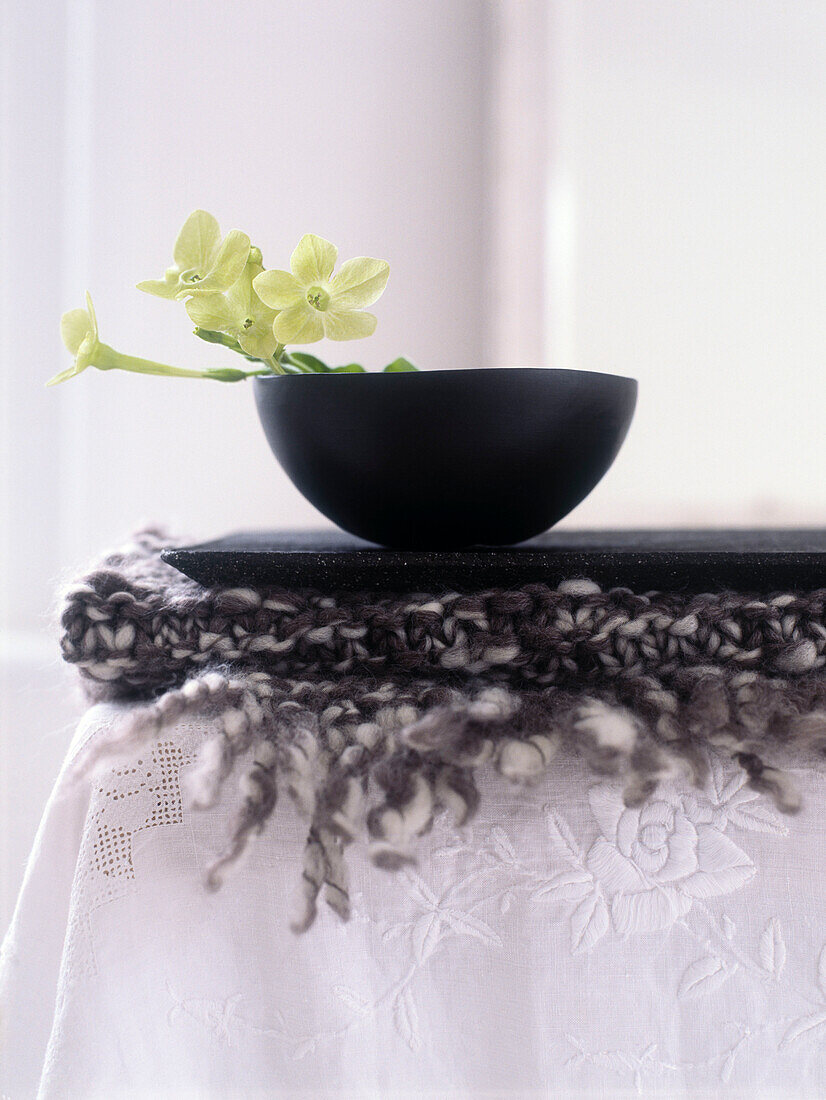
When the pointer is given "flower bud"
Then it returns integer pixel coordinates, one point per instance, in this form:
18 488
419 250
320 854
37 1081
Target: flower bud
226 374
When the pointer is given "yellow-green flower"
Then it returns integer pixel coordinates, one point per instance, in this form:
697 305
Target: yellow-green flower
239 313
313 303
79 330
204 264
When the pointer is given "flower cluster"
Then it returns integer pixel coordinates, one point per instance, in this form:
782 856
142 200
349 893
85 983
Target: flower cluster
234 301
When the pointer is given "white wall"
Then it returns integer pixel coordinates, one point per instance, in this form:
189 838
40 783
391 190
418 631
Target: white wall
688 248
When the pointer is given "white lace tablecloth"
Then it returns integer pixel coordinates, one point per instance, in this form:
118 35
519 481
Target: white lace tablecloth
560 945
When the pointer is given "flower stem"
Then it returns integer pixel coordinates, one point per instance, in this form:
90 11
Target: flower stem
109 359
276 360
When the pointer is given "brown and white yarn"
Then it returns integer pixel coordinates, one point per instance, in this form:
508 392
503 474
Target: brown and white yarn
375 711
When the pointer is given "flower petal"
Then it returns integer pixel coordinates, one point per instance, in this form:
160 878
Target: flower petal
348 324
628 827
92 315
682 851
161 288
210 311
722 866
616 873
277 289
313 260
64 375
649 863
657 812
300 324
75 326
359 283
259 341
648 911
226 268
607 806
197 241
86 351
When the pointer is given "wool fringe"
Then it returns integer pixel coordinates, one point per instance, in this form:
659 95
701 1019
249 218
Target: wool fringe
368 768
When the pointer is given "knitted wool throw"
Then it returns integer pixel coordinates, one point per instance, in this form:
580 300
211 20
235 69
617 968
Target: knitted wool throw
374 711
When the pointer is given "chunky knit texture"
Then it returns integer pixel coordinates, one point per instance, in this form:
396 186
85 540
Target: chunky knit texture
375 711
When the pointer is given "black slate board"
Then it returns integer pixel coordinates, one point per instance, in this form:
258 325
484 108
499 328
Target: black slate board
695 560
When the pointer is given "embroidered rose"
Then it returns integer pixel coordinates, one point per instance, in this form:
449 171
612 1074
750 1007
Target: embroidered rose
655 860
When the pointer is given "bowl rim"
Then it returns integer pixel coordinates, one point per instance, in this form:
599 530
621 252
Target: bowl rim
486 371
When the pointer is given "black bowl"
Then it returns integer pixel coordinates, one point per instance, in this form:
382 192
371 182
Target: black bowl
444 459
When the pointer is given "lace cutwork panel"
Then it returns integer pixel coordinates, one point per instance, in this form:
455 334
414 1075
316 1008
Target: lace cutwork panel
154 785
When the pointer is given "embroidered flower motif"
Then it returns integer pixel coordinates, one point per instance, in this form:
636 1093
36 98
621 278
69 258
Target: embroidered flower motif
655 860
437 917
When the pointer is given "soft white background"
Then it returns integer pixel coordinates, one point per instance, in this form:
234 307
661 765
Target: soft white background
622 186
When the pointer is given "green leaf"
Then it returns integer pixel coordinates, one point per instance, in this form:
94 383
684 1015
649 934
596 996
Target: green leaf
209 336
287 363
400 366
308 363
223 339
351 368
